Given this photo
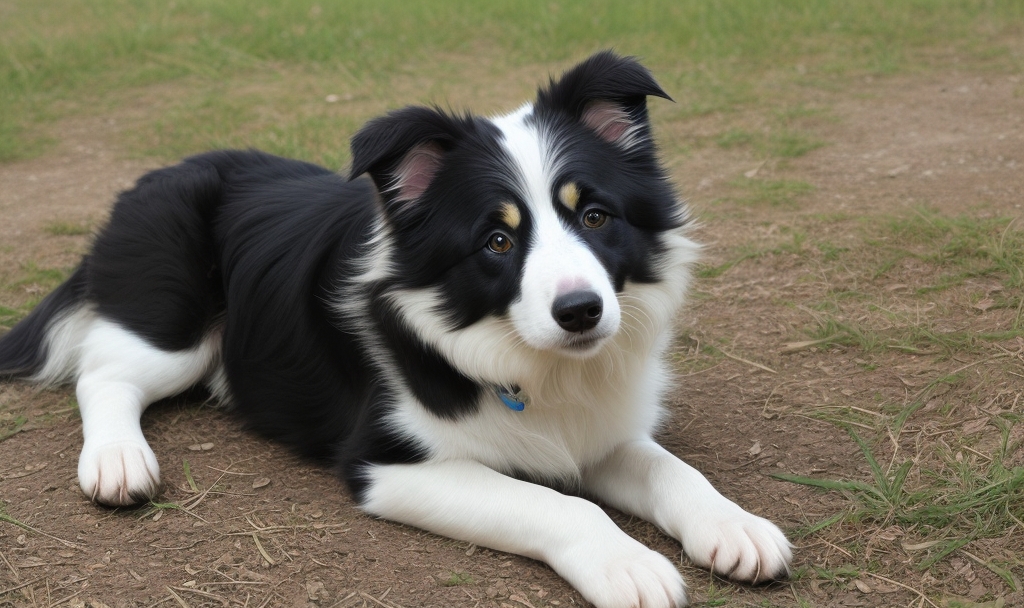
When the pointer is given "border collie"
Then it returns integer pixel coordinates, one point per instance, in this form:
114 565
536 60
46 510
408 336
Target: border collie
479 323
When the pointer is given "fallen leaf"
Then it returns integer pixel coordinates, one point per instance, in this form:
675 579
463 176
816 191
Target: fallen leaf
985 304
862 586
975 426
315 590
259 482
522 600
921 546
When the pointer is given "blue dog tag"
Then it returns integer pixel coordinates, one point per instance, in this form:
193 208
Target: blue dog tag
511 398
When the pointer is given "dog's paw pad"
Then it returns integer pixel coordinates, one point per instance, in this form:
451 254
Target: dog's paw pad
119 474
740 546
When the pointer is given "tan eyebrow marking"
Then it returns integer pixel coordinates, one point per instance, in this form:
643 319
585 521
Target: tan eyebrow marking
569 195
510 215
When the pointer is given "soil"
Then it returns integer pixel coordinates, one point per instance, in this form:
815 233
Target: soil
255 525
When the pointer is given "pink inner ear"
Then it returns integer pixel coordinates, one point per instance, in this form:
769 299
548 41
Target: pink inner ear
609 120
416 171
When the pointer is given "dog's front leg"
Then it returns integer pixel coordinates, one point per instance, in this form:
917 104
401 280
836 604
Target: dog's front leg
644 479
468 501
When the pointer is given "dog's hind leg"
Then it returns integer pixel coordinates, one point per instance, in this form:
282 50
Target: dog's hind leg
119 375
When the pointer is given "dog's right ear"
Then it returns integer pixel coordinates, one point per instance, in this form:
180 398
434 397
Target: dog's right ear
403 151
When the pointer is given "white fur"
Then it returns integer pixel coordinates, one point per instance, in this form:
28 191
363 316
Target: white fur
643 479
64 335
466 500
119 374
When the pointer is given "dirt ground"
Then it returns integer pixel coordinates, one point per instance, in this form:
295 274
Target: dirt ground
243 522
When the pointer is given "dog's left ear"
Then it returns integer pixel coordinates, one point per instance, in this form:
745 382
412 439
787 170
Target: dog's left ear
403 151
607 93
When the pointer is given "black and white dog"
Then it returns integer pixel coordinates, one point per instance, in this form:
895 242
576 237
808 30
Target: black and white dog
484 319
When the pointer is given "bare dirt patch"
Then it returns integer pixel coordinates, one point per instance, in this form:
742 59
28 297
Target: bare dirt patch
246 523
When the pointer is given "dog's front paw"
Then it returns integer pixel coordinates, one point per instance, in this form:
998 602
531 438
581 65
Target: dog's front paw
738 545
119 474
623 574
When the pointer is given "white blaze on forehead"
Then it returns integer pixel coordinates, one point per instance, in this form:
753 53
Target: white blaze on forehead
533 171
532 161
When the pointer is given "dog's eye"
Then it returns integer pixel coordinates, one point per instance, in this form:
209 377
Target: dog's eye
499 243
595 218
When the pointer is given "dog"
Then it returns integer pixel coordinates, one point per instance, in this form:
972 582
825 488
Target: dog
477 326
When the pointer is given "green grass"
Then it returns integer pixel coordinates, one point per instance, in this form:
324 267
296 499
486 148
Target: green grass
777 144
11 424
62 228
966 245
959 503
907 334
783 193
28 279
60 58
457 579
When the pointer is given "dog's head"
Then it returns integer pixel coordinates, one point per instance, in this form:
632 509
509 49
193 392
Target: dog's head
541 216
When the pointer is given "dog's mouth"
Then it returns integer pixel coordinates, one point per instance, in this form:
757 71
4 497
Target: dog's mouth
581 343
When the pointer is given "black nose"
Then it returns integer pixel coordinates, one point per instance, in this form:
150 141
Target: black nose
577 310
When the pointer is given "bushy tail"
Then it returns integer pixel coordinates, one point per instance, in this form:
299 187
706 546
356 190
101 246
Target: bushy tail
23 350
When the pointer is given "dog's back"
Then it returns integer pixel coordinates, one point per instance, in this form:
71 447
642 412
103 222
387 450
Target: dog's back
239 235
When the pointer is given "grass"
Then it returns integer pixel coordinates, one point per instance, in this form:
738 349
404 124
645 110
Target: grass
859 308
457 579
967 245
779 144
31 281
948 489
198 61
11 424
772 192
958 504
62 228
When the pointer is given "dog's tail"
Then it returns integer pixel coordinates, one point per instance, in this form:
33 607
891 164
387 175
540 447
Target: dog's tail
42 346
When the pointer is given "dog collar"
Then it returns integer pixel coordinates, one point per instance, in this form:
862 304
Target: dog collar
512 397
